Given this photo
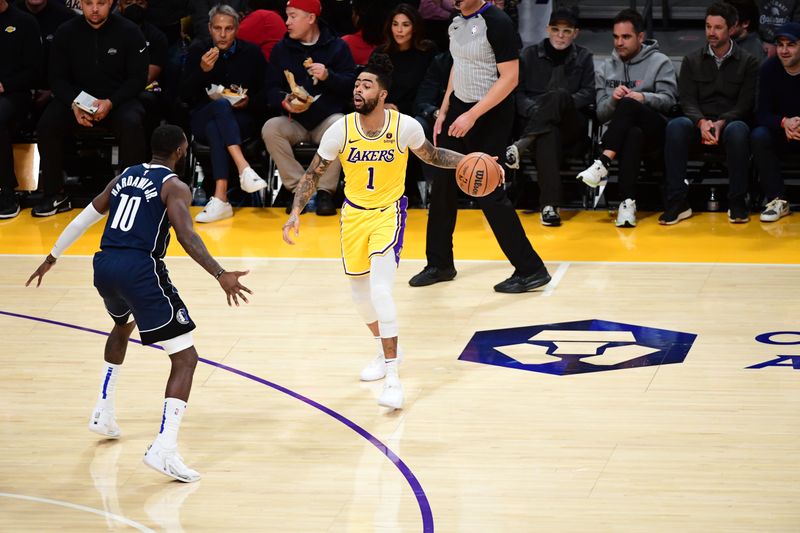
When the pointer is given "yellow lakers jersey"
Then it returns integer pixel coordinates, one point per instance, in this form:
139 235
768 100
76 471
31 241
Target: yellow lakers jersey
374 167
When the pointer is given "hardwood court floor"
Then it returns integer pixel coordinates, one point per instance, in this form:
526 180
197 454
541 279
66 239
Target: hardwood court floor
288 439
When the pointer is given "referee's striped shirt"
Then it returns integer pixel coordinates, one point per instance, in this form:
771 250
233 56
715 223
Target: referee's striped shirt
478 43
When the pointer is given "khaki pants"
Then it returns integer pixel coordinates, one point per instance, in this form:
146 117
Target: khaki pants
280 134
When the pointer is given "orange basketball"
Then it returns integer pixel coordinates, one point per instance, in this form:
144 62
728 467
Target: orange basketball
478 174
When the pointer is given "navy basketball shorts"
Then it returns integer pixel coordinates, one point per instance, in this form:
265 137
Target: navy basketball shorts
134 282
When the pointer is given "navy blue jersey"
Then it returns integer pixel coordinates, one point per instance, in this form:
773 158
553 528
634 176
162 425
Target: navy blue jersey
137 218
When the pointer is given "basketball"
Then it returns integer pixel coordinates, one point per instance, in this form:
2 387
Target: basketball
478 174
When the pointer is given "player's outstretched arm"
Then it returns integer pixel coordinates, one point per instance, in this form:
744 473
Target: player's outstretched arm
177 197
438 157
302 194
92 214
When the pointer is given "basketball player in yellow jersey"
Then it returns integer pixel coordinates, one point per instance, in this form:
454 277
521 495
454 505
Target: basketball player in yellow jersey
372 145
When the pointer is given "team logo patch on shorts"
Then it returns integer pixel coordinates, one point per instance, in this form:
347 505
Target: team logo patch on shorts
182 316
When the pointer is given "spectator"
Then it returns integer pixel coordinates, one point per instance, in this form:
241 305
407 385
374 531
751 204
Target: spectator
49 15
411 55
636 88
778 118
745 32
437 15
263 25
104 55
331 64
556 82
773 14
19 69
234 64
476 115
368 19
717 92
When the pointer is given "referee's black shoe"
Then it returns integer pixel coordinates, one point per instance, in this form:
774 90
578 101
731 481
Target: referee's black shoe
431 275
517 284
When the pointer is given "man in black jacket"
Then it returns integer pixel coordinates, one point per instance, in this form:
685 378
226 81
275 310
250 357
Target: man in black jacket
556 80
717 86
229 62
19 68
105 56
328 77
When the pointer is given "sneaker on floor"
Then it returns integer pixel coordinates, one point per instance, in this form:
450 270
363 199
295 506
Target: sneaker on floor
775 210
738 213
9 206
250 181
594 175
550 216
325 205
431 275
103 423
675 212
512 157
392 395
215 210
169 462
376 368
626 214
518 284
52 204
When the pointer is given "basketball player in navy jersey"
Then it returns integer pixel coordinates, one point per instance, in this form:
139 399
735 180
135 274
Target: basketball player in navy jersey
130 275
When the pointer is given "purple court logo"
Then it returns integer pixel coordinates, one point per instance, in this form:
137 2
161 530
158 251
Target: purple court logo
578 347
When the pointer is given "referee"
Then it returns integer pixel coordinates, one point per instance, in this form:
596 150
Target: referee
476 116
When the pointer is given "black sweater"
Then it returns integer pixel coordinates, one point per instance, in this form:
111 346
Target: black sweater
108 63
21 50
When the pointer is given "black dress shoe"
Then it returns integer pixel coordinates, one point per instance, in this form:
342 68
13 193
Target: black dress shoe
431 275
325 205
517 284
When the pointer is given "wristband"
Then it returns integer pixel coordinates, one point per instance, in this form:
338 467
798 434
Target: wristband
48 261
218 274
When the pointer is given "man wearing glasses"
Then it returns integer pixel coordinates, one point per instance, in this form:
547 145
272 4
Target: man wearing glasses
556 80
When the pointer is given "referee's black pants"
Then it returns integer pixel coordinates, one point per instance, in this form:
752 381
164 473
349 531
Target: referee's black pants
490 134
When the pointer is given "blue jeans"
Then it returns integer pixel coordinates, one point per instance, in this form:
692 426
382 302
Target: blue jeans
768 145
681 135
219 125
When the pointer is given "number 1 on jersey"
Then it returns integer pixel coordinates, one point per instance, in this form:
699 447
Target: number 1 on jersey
371 182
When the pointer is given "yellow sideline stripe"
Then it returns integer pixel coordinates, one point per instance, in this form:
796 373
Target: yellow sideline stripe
584 236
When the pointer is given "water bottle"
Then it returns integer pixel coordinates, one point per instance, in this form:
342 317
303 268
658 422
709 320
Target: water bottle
713 203
199 194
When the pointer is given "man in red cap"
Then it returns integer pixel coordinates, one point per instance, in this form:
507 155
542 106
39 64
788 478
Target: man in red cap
323 65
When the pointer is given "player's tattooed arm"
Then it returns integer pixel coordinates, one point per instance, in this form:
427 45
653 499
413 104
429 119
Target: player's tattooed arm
308 183
438 157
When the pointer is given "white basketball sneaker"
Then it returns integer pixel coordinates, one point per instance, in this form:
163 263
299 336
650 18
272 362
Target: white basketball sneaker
626 214
392 395
169 462
250 181
103 423
215 210
594 175
376 368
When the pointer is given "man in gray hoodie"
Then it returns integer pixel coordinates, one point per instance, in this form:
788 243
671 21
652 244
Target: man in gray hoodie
635 88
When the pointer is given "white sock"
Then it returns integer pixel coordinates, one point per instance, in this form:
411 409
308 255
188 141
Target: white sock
380 345
171 422
108 386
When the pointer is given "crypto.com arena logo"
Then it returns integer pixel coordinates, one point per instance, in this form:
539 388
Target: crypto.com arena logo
578 347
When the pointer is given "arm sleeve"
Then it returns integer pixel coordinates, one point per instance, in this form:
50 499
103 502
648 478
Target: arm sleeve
665 90
502 36
135 67
411 133
85 219
332 140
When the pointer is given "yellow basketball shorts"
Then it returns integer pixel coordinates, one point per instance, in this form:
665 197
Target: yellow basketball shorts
368 232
